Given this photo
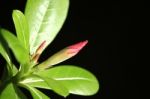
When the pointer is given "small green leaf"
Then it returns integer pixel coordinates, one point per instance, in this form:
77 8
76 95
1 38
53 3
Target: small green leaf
11 91
9 65
36 94
45 18
22 29
19 51
4 50
76 80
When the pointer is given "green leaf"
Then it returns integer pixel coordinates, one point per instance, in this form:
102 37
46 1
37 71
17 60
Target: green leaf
11 69
22 28
11 91
45 18
76 80
36 94
19 51
4 50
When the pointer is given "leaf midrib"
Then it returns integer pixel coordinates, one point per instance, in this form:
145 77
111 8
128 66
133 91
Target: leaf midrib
60 79
40 25
24 38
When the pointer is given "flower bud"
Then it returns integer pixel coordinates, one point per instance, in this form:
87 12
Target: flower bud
63 55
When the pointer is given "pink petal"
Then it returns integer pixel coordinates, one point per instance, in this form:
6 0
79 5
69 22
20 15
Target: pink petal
74 49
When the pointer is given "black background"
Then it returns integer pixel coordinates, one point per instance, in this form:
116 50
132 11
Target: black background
111 52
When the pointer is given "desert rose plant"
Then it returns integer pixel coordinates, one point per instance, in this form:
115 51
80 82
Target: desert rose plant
35 30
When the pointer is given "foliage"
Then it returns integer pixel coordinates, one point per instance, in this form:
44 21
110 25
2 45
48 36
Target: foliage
35 30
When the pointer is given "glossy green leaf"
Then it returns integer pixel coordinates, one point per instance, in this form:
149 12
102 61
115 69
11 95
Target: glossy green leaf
36 94
45 18
19 51
11 91
22 28
76 80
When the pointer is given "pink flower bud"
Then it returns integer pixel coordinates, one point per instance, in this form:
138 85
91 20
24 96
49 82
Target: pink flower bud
63 55
74 49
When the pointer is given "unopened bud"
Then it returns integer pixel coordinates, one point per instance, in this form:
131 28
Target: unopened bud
63 55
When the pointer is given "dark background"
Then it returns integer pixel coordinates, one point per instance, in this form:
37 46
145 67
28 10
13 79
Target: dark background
111 52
